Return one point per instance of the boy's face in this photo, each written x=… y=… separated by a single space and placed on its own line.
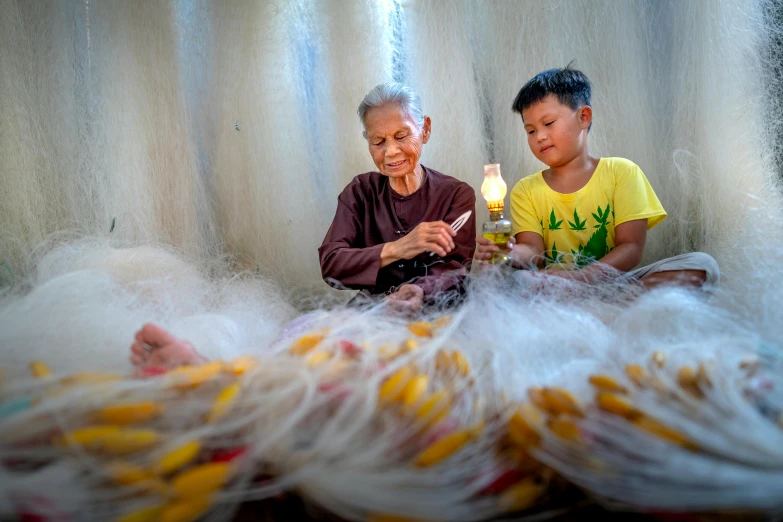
x=556 y=133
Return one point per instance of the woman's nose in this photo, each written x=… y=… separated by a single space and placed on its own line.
x=392 y=149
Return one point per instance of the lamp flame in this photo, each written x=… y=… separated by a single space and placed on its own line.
x=493 y=188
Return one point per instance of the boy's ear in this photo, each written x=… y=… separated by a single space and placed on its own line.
x=585 y=116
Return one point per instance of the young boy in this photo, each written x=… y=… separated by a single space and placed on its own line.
x=584 y=217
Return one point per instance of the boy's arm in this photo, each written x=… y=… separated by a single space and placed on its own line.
x=629 y=239
x=528 y=250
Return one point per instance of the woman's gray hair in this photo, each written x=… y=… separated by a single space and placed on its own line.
x=393 y=92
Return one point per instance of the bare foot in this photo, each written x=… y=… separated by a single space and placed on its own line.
x=155 y=347
x=408 y=299
x=688 y=278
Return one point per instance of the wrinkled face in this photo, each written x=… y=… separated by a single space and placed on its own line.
x=556 y=132
x=395 y=140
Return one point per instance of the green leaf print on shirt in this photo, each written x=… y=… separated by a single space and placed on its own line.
x=596 y=246
x=554 y=224
x=602 y=217
x=577 y=225
x=553 y=257
x=580 y=259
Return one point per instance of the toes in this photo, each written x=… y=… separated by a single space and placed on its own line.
x=161 y=358
x=139 y=350
x=173 y=355
x=136 y=360
x=167 y=359
x=154 y=335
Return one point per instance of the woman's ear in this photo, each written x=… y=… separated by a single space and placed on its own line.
x=426 y=130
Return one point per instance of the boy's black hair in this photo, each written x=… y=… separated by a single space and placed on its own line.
x=571 y=87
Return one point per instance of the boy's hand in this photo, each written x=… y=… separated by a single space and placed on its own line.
x=485 y=248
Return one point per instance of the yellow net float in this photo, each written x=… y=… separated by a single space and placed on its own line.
x=177 y=458
x=129 y=413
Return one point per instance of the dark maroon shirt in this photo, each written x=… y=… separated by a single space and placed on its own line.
x=369 y=214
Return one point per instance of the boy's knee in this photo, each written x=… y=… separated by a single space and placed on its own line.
x=704 y=262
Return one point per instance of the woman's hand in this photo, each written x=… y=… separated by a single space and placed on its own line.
x=407 y=299
x=434 y=236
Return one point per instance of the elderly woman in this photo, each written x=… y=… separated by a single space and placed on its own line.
x=389 y=222
x=386 y=226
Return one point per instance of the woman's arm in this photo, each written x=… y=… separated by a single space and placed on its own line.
x=343 y=265
x=443 y=275
x=435 y=236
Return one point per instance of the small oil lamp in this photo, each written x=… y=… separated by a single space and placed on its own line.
x=497 y=229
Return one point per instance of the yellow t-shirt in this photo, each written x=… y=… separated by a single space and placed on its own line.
x=578 y=228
